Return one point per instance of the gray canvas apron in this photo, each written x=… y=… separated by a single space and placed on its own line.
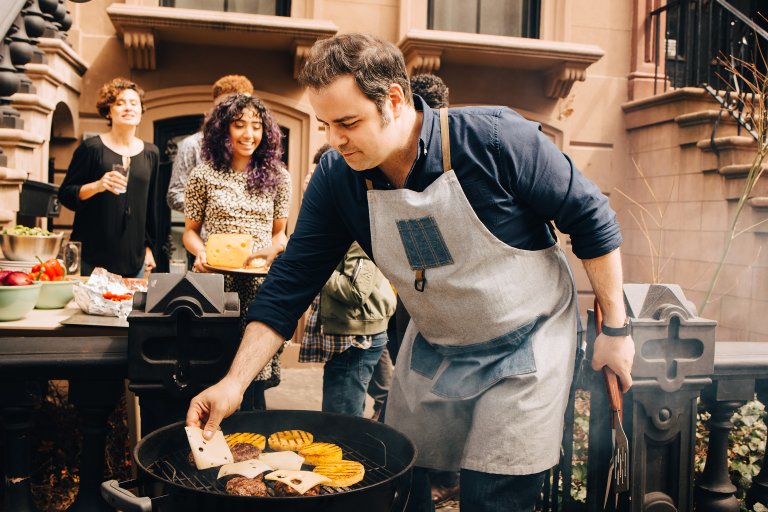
x=482 y=377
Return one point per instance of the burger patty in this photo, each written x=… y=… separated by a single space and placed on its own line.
x=244 y=451
x=282 y=489
x=242 y=486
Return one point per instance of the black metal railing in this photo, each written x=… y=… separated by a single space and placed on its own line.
x=709 y=44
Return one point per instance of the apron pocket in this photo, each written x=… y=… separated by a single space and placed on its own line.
x=423 y=243
x=425 y=359
x=472 y=369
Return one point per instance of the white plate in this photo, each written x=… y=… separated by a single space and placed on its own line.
x=22 y=266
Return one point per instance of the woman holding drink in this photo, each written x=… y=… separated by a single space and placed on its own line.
x=109 y=185
x=241 y=188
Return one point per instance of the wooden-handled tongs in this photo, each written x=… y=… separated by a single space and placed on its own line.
x=618 y=471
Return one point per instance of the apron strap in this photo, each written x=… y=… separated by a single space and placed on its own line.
x=368 y=184
x=445 y=139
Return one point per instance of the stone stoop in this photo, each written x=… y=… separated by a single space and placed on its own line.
x=727 y=151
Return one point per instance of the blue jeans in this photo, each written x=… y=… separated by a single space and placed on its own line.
x=481 y=492
x=346 y=377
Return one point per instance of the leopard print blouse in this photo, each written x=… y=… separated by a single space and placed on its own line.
x=220 y=200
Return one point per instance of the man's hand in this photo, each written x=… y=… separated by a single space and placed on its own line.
x=617 y=353
x=209 y=408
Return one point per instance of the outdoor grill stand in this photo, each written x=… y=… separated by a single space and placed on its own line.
x=183 y=334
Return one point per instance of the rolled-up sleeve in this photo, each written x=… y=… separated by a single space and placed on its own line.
x=548 y=182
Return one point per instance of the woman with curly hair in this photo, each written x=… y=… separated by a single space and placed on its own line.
x=114 y=216
x=242 y=187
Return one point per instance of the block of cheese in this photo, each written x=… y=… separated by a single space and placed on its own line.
x=228 y=250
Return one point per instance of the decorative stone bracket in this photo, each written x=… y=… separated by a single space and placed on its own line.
x=560 y=79
x=140 y=44
x=423 y=62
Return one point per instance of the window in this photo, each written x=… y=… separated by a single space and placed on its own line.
x=270 y=7
x=496 y=17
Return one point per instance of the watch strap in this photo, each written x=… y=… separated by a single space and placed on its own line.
x=624 y=330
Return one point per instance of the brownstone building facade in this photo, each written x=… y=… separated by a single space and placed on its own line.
x=585 y=69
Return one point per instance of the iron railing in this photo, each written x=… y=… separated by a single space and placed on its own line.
x=708 y=44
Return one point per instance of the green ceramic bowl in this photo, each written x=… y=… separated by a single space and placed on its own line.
x=17 y=301
x=55 y=294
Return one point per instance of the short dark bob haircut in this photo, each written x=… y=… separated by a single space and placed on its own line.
x=263 y=171
x=107 y=95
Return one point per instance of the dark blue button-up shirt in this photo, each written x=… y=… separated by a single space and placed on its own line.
x=515 y=178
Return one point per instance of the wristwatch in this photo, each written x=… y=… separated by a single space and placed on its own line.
x=624 y=330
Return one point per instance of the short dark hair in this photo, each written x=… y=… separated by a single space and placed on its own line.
x=263 y=170
x=431 y=88
x=320 y=152
x=374 y=63
x=107 y=95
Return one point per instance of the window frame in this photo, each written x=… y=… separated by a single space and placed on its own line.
x=531 y=13
x=282 y=7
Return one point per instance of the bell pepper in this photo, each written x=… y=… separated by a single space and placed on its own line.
x=54 y=269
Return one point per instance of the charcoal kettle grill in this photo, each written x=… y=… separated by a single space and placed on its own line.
x=162 y=458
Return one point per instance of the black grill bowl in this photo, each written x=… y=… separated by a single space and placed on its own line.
x=161 y=457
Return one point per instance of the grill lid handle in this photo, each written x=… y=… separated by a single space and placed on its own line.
x=122 y=499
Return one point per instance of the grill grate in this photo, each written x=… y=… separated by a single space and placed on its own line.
x=176 y=469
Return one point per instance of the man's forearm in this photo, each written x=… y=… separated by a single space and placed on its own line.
x=260 y=342
x=605 y=275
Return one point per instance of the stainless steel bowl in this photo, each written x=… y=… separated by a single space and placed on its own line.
x=29 y=248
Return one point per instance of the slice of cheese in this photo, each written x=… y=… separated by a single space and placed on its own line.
x=282 y=460
x=228 y=250
x=247 y=468
x=208 y=454
x=301 y=481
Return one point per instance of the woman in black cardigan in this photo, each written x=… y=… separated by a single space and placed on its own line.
x=114 y=216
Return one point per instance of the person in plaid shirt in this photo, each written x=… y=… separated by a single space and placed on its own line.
x=346 y=328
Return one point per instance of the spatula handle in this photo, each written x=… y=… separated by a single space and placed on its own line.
x=611 y=380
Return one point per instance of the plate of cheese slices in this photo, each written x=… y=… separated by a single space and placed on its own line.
x=227 y=254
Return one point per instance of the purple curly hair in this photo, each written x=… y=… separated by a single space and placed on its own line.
x=263 y=169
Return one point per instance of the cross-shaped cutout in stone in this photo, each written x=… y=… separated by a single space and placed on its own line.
x=672 y=349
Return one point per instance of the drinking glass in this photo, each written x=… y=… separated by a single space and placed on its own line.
x=69 y=254
x=124 y=170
